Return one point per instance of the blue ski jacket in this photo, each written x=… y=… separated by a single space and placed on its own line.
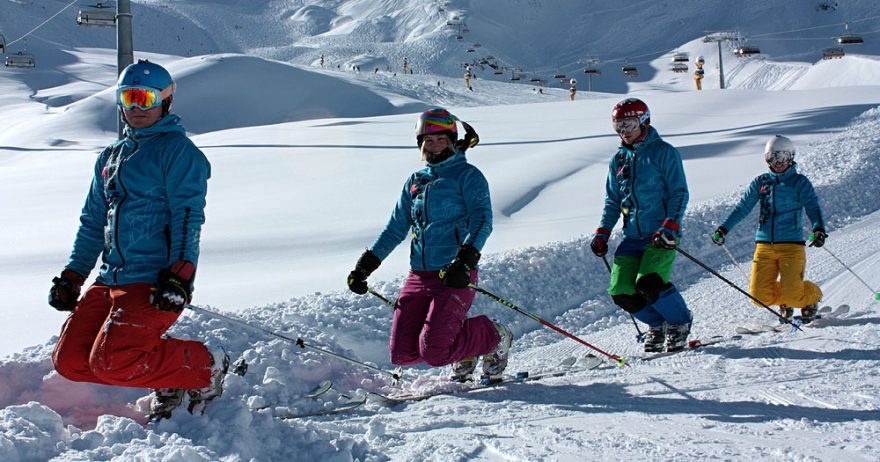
x=783 y=198
x=443 y=205
x=145 y=207
x=645 y=184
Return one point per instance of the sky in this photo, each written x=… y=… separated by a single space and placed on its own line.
x=306 y=167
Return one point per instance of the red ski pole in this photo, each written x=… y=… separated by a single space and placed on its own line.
x=616 y=359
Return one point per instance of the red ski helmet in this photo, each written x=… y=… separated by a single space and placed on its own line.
x=436 y=121
x=632 y=108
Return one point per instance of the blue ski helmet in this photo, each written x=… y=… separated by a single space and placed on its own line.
x=147 y=74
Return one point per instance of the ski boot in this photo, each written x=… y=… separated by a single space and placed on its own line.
x=654 y=339
x=495 y=362
x=808 y=313
x=463 y=370
x=677 y=336
x=199 y=398
x=786 y=313
x=165 y=401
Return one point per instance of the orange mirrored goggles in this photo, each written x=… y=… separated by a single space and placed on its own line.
x=142 y=97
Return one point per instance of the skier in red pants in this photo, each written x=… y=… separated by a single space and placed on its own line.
x=143 y=215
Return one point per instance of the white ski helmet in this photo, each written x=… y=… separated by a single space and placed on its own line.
x=779 y=149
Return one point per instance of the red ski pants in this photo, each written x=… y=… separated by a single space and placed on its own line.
x=114 y=337
x=431 y=325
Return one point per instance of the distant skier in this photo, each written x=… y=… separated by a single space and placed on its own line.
x=446 y=208
x=646 y=184
x=780 y=258
x=572 y=89
x=143 y=215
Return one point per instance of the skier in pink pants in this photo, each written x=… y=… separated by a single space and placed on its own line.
x=446 y=208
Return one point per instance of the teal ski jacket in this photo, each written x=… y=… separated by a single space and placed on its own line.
x=783 y=198
x=443 y=206
x=145 y=207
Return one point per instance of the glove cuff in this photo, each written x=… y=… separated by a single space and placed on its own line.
x=185 y=270
x=469 y=255
x=670 y=225
x=368 y=262
x=602 y=232
x=819 y=229
x=73 y=277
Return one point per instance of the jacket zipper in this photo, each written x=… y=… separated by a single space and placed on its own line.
x=116 y=214
x=633 y=188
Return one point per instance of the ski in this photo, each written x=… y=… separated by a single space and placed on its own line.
x=567 y=366
x=825 y=313
x=350 y=403
x=320 y=389
x=692 y=345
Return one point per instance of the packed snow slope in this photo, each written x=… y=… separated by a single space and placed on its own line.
x=307 y=164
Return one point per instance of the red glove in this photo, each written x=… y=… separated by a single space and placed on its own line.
x=664 y=238
x=599 y=244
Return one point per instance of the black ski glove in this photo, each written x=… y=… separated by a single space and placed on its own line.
x=65 y=290
x=457 y=274
x=818 y=237
x=718 y=235
x=599 y=243
x=357 y=278
x=174 y=287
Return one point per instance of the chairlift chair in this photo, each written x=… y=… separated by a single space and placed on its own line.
x=2 y=44
x=679 y=67
x=746 y=51
x=20 y=60
x=498 y=72
x=535 y=80
x=592 y=71
x=476 y=45
x=99 y=14
x=850 y=39
x=631 y=71
x=833 y=52
x=559 y=76
x=465 y=29
x=680 y=58
x=459 y=37
x=470 y=50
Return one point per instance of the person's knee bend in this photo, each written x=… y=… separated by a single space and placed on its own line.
x=630 y=303
x=650 y=286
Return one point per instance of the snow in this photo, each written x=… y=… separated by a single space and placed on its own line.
x=307 y=164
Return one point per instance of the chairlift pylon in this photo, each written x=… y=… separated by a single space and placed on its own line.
x=99 y=15
x=20 y=60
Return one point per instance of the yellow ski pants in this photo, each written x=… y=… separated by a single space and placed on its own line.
x=778 y=276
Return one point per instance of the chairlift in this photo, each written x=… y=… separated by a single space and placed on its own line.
x=490 y=57
x=99 y=14
x=470 y=50
x=2 y=44
x=850 y=39
x=476 y=45
x=680 y=58
x=465 y=29
x=679 y=67
x=20 y=60
x=535 y=80
x=498 y=72
x=630 y=71
x=833 y=52
x=559 y=76
x=746 y=51
x=590 y=70
x=459 y=37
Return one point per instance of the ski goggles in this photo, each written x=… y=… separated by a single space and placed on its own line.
x=627 y=125
x=778 y=157
x=142 y=97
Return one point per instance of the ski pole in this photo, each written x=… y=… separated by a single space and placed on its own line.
x=876 y=294
x=736 y=263
x=715 y=273
x=640 y=336
x=617 y=359
x=380 y=297
x=298 y=342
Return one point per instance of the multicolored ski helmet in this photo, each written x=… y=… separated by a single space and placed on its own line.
x=631 y=108
x=436 y=121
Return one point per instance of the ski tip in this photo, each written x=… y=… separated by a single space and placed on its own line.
x=522 y=375
x=621 y=361
x=877 y=296
x=695 y=343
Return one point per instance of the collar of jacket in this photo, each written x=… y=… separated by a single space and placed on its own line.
x=169 y=123
x=456 y=159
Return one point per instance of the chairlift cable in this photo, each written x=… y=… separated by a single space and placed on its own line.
x=43 y=23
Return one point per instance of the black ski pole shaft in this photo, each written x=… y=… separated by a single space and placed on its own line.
x=617 y=359
x=639 y=335
x=380 y=297
x=715 y=273
x=874 y=292
x=297 y=341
